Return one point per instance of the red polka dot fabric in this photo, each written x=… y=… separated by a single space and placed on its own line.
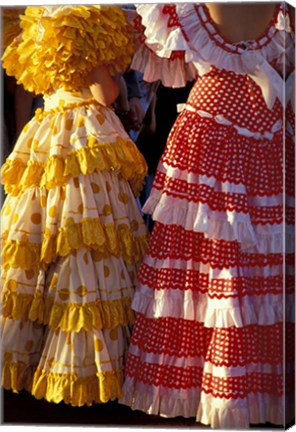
x=214 y=335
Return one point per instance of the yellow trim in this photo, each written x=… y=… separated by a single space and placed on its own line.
x=18 y=305
x=17 y=254
x=121 y=156
x=68 y=317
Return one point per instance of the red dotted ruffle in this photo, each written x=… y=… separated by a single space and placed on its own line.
x=201 y=147
x=161 y=375
x=220 y=346
x=172 y=241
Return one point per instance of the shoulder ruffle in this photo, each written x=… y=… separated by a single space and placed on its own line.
x=163 y=51
x=59 y=46
x=179 y=41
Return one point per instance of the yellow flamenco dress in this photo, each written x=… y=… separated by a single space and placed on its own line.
x=72 y=234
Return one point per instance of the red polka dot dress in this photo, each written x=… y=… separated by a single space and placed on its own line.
x=214 y=337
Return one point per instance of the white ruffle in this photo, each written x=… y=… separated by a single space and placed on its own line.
x=172 y=73
x=261 y=409
x=213 y=312
x=218 y=413
x=203 y=51
x=159 y=401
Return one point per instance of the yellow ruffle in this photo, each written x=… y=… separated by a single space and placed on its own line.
x=104 y=240
x=17 y=305
x=102 y=387
x=121 y=155
x=99 y=315
x=67 y=317
x=89 y=232
x=16 y=376
x=75 y=391
x=59 y=46
x=20 y=254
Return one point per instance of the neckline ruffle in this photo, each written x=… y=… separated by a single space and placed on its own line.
x=175 y=45
x=262 y=40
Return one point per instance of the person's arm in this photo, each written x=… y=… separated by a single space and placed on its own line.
x=103 y=87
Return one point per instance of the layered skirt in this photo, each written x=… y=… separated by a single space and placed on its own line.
x=72 y=241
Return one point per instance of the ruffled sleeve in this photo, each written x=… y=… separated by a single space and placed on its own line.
x=163 y=52
x=60 y=45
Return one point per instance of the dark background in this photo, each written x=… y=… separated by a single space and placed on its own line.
x=24 y=409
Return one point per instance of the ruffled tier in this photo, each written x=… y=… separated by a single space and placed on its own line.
x=71 y=41
x=18 y=176
x=187 y=345
x=229 y=226
x=103 y=240
x=222 y=313
x=92 y=148
x=171 y=72
x=56 y=388
x=263 y=409
x=68 y=317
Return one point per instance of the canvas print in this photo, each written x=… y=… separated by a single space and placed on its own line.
x=147 y=214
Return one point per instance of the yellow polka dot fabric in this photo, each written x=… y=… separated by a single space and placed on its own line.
x=72 y=241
